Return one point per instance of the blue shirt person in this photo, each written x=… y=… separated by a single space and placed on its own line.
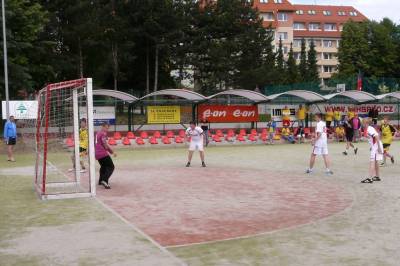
x=10 y=137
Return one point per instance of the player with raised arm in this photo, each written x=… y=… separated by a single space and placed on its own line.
x=376 y=152
x=320 y=145
x=195 y=134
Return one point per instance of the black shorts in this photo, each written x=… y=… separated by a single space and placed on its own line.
x=349 y=137
x=82 y=150
x=328 y=124
x=12 y=141
x=385 y=145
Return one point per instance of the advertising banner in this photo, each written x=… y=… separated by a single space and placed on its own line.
x=232 y=113
x=101 y=114
x=163 y=114
x=21 y=109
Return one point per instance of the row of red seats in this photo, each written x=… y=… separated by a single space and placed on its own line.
x=152 y=140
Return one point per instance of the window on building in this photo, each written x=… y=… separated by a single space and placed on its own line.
x=285 y=49
x=299 y=12
x=283 y=36
x=264 y=1
x=328 y=43
x=296 y=43
x=314 y=26
x=341 y=27
x=297 y=56
x=342 y=13
x=327 y=12
x=278 y=1
x=268 y=16
x=329 y=69
x=299 y=26
x=327 y=56
x=283 y=16
x=311 y=12
x=353 y=13
x=330 y=27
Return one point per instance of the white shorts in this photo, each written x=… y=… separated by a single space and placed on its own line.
x=196 y=145
x=320 y=150
x=375 y=155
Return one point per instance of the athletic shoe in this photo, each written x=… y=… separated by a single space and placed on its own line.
x=367 y=180
x=71 y=169
x=392 y=159
x=105 y=184
x=188 y=164
x=83 y=171
x=308 y=171
x=382 y=165
x=376 y=178
x=345 y=153
x=330 y=172
x=355 y=151
x=203 y=164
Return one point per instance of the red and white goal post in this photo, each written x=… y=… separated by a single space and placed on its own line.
x=61 y=106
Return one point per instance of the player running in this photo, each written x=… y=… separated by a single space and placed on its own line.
x=195 y=134
x=376 y=152
x=349 y=132
x=83 y=146
x=388 y=131
x=320 y=146
x=102 y=154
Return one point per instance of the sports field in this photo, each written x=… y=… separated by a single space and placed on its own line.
x=252 y=205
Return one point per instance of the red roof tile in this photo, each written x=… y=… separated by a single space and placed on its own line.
x=333 y=18
x=272 y=6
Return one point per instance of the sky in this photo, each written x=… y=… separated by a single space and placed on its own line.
x=373 y=9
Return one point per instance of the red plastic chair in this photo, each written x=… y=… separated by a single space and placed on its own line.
x=117 y=135
x=231 y=133
x=264 y=137
x=240 y=138
x=139 y=141
x=182 y=133
x=112 y=141
x=307 y=131
x=216 y=138
x=219 y=133
x=153 y=140
x=254 y=132
x=242 y=132
x=166 y=140
x=264 y=131
x=144 y=135
x=126 y=141
x=178 y=139
x=170 y=134
x=252 y=137
x=157 y=134
x=70 y=142
x=130 y=135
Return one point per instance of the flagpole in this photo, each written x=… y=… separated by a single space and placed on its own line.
x=5 y=59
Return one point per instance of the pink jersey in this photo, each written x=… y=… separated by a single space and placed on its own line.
x=100 y=148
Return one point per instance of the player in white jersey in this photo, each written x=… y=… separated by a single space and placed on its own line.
x=320 y=145
x=376 y=152
x=195 y=134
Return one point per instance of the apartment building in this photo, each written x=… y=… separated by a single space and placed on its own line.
x=320 y=23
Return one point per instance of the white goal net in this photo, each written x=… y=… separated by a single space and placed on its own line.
x=64 y=141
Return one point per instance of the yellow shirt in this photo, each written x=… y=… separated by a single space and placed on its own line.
x=339 y=131
x=301 y=113
x=285 y=131
x=286 y=114
x=83 y=138
x=387 y=136
x=336 y=114
x=350 y=114
x=329 y=116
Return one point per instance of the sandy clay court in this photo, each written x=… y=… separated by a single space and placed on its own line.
x=252 y=205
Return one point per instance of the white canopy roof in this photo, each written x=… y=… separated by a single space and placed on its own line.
x=395 y=94
x=250 y=95
x=185 y=94
x=308 y=96
x=358 y=96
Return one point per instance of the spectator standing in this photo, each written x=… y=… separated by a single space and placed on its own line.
x=10 y=137
x=301 y=116
x=205 y=128
x=329 y=117
x=356 y=124
x=336 y=116
x=271 y=131
x=286 y=116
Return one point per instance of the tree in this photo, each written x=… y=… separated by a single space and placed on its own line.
x=292 y=70
x=303 y=72
x=280 y=64
x=25 y=23
x=312 y=67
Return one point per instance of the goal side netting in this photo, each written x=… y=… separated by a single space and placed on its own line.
x=64 y=140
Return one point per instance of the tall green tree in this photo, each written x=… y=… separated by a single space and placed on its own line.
x=303 y=72
x=292 y=73
x=280 y=64
x=312 y=67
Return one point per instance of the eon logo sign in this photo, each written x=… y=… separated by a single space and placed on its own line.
x=232 y=113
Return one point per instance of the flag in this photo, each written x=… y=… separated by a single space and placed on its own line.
x=359 y=81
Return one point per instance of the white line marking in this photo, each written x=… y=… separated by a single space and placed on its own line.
x=163 y=249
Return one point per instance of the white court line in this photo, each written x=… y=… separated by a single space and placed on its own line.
x=149 y=238
x=347 y=209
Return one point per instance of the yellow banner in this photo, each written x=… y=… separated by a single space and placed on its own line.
x=163 y=114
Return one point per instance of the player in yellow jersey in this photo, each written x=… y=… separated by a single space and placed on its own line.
x=83 y=145
x=329 y=117
x=387 y=131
